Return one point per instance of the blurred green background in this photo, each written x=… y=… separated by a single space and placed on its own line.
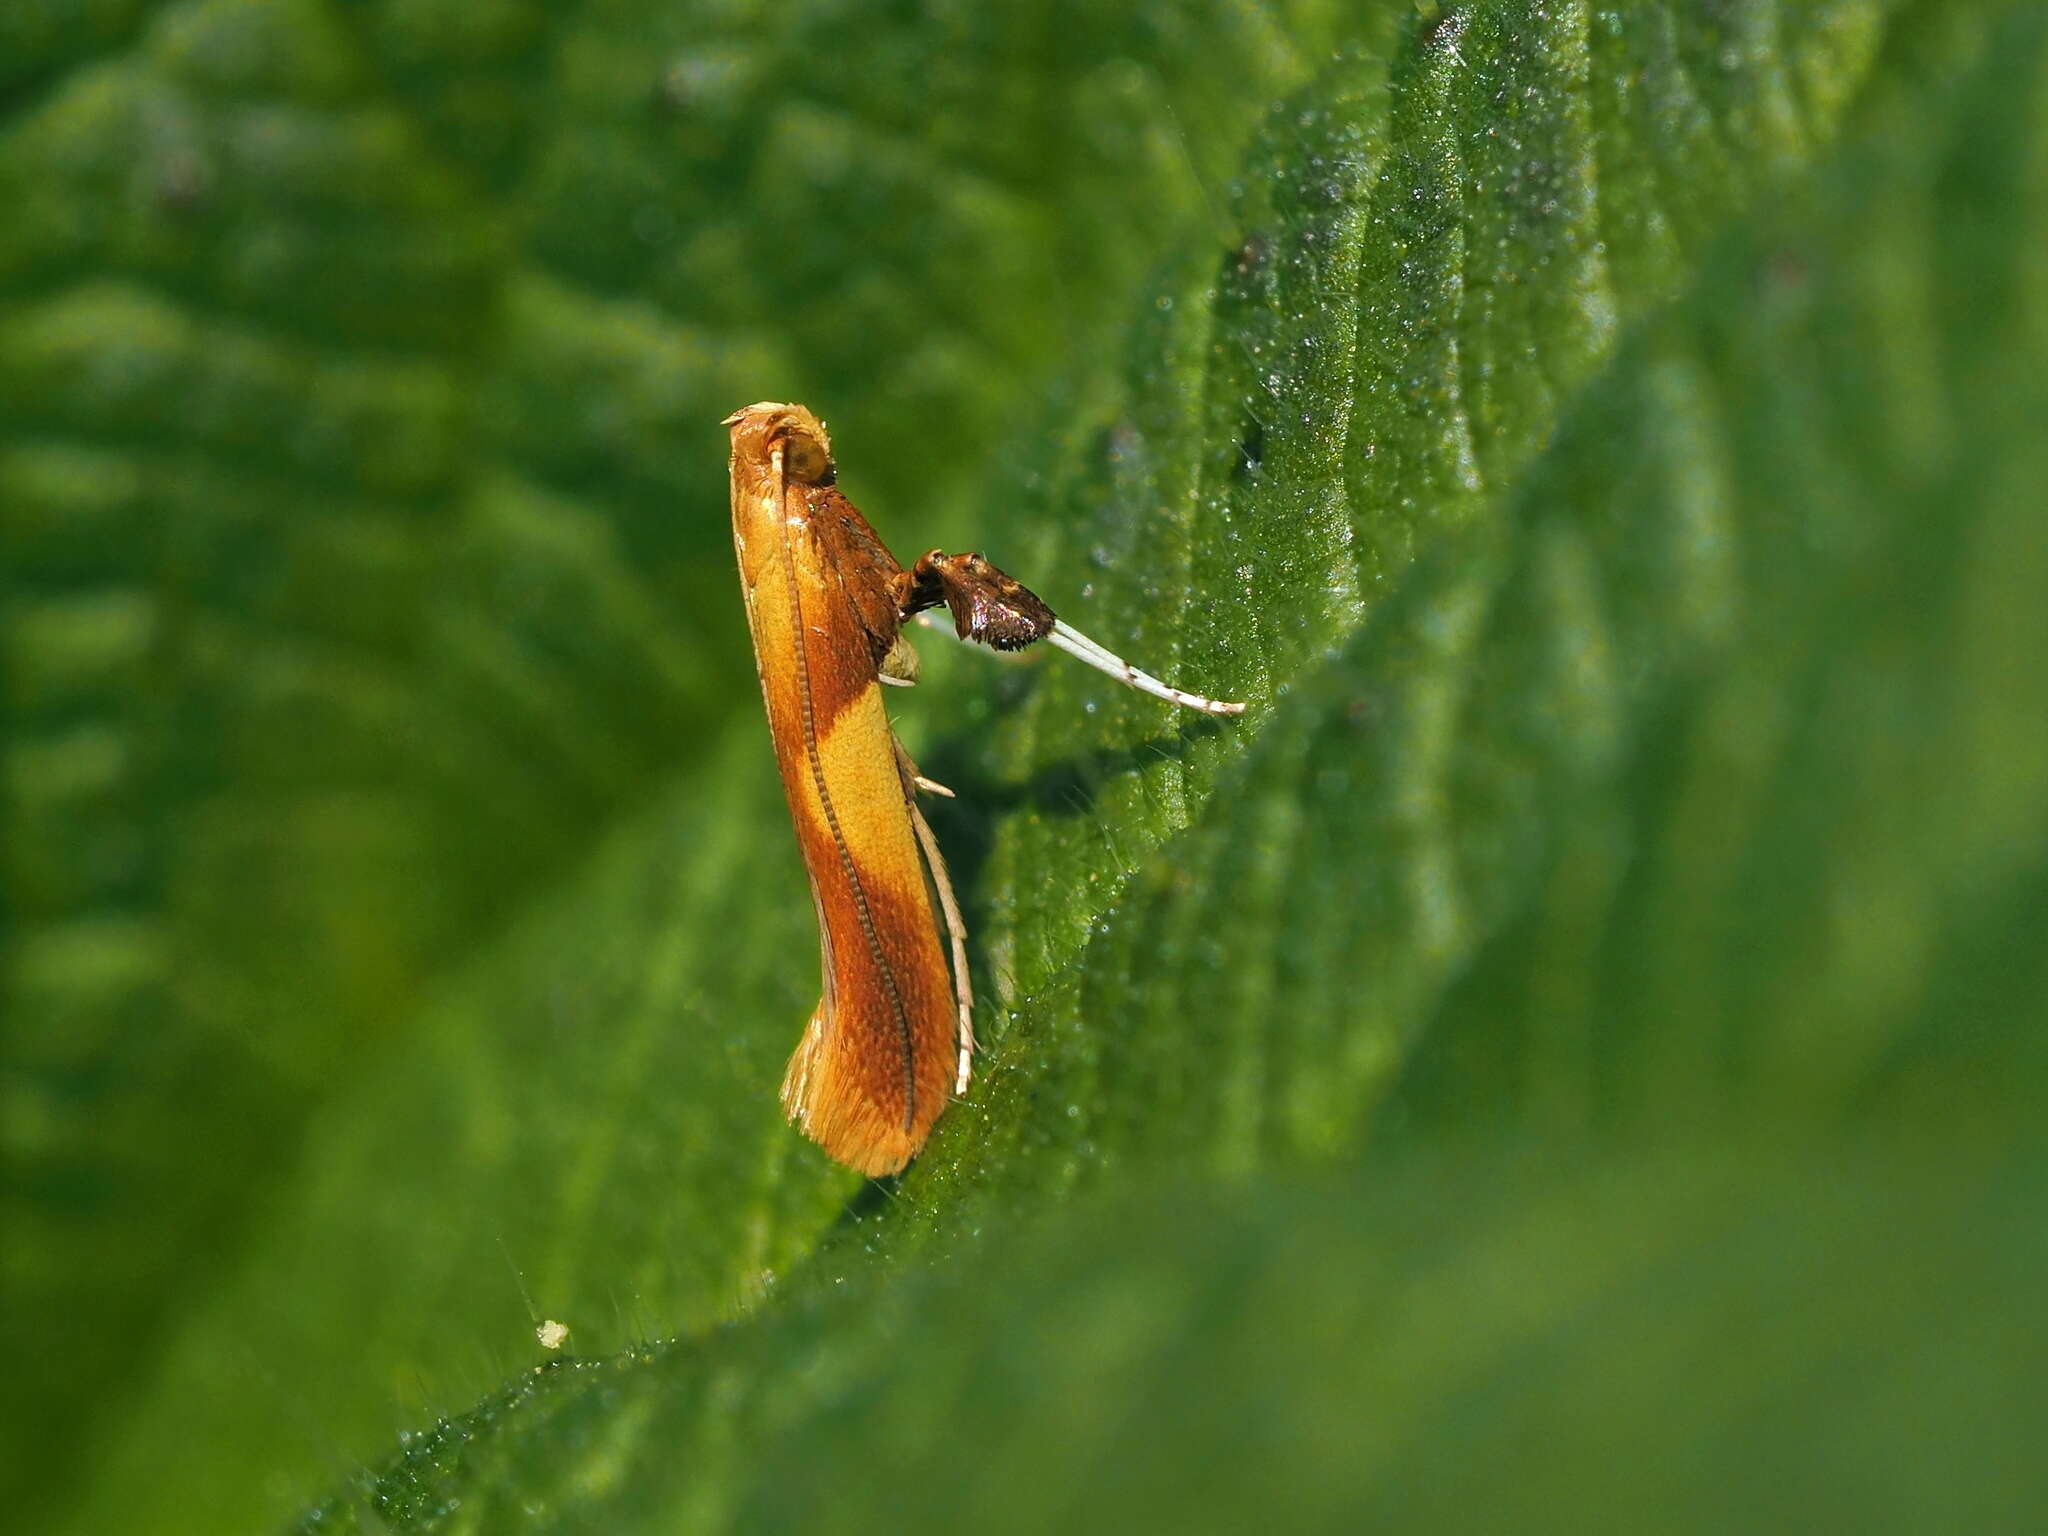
x=1571 y=1056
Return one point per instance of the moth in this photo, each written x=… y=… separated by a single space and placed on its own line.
x=892 y=1038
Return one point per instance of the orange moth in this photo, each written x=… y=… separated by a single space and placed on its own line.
x=892 y=1037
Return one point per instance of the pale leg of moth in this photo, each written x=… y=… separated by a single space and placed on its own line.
x=956 y=926
x=999 y=611
x=1076 y=644
x=899 y=670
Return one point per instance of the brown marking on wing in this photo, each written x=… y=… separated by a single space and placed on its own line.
x=866 y=570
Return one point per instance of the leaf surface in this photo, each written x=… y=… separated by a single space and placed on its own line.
x=1601 y=451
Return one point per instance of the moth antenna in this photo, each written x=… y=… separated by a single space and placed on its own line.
x=1079 y=646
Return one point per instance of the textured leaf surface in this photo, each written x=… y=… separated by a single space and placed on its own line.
x=366 y=572
x=1685 y=1343
x=1649 y=883
x=1603 y=454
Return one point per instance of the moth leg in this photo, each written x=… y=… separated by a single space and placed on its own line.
x=956 y=926
x=999 y=611
x=899 y=668
x=988 y=606
x=914 y=781
x=1100 y=657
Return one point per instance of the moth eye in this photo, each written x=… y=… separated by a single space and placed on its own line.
x=804 y=458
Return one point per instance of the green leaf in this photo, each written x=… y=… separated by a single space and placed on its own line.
x=1672 y=832
x=1604 y=452
x=1678 y=1342
x=364 y=568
